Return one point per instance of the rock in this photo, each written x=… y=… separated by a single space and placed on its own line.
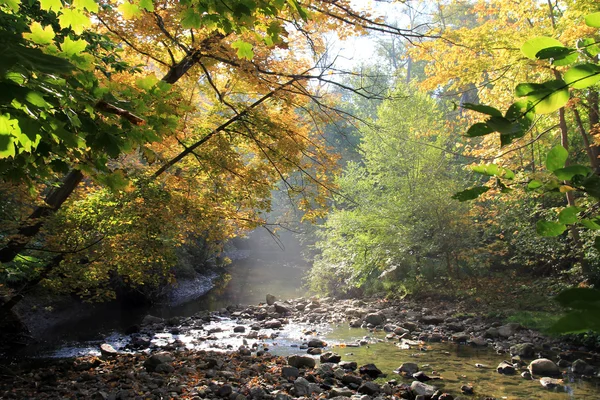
x=340 y=392
x=580 y=367
x=369 y=388
x=410 y=326
x=239 y=329
x=526 y=375
x=302 y=387
x=508 y=330
x=348 y=365
x=107 y=350
x=431 y=319
x=399 y=330
x=550 y=383
x=164 y=368
x=350 y=379
x=270 y=299
x=375 y=319
x=543 y=367
x=273 y=324
x=151 y=320
x=301 y=361
x=478 y=341
x=506 y=368
x=224 y=391
x=491 y=333
x=461 y=337
x=330 y=357
x=314 y=351
x=281 y=309
x=421 y=376
x=466 y=389
x=408 y=368
x=525 y=350
x=422 y=389
x=157 y=359
x=370 y=369
x=448 y=396
x=290 y=372
x=316 y=343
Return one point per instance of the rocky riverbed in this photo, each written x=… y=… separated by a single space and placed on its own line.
x=236 y=354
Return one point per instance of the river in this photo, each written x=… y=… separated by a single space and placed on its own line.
x=266 y=268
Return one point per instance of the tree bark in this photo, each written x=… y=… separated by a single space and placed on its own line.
x=32 y=225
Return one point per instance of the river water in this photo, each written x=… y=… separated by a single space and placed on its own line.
x=268 y=269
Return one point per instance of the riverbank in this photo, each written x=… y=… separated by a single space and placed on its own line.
x=228 y=354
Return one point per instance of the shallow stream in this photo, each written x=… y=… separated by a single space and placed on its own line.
x=270 y=272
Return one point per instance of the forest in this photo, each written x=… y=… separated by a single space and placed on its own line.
x=457 y=156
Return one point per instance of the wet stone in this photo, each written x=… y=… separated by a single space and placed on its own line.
x=370 y=370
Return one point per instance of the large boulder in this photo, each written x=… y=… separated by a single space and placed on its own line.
x=506 y=368
x=330 y=357
x=375 y=319
x=422 y=389
x=155 y=360
x=580 y=367
x=525 y=350
x=273 y=324
x=281 y=309
x=370 y=370
x=508 y=330
x=544 y=367
x=316 y=343
x=270 y=299
x=299 y=361
x=408 y=368
x=369 y=388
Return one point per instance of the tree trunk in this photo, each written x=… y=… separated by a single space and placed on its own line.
x=32 y=225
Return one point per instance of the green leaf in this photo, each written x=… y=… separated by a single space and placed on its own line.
x=593 y=20
x=75 y=19
x=549 y=228
x=244 y=49
x=582 y=76
x=525 y=89
x=116 y=181
x=9 y=128
x=128 y=10
x=546 y=102
x=51 y=5
x=147 y=82
x=39 y=34
x=482 y=109
x=73 y=47
x=89 y=5
x=591 y=185
x=470 y=194
x=534 y=184
x=569 y=215
x=577 y=322
x=590 y=224
x=146 y=5
x=502 y=125
x=557 y=54
x=589 y=46
x=567 y=173
x=36 y=98
x=556 y=158
x=579 y=298
x=479 y=129
x=533 y=46
x=12 y=4
x=191 y=19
